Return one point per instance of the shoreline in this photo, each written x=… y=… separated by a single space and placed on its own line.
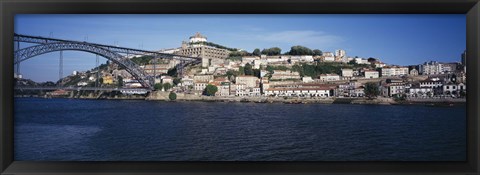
x=163 y=96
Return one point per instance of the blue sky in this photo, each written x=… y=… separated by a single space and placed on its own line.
x=395 y=39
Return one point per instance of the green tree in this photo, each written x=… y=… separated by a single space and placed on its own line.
x=100 y=80
x=317 y=52
x=158 y=86
x=272 y=51
x=248 y=69
x=297 y=68
x=167 y=86
x=241 y=69
x=172 y=96
x=256 y=52
x=256 y=72
x=177 y=81
x=232 y=74
x=210 y=90
x=300 y=50
x=371 y=90
x=353 y=62
x=120 y=81
x=172 y=72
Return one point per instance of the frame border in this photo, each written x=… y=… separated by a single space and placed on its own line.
x=8 y=9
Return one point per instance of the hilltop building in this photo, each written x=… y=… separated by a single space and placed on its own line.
x=197 y=47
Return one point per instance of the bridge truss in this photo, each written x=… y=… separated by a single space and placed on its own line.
x=118 y=55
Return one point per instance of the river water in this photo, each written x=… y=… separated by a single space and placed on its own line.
x=130 y=130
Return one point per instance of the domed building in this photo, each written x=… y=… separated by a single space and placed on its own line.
x=210 y=55
x=198 y=38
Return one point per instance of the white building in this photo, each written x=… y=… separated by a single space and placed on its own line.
x=303 y=92
x=284 y=75
x=379 y=64
x=200 y=86
x=340 y=53
x=454 y=89
x=82 y=83
x=248 y=80
x=420 y=92
x=431 y=83
x=329 y=77
x=361 y=61
x=328 y=57
x=371 y=74
x=414 y=72
x=431 y=68
x=347 y=72
x=394 y=71
x=307 y=79
x=198 y=38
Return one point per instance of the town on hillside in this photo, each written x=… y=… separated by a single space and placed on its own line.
x=300 y=73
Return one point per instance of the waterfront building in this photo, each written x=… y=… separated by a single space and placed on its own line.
x=59 y=92
x=223 y=87
x=248 y=80
x=329 y=77
x=454 y=89
x=431 y=83
x=134 y=91
x=186 y=81
x=358 y=92
x=342 y=90
x=196 y=47
x=391 y=89
x=371 y=74
x=200 y=86
x=417 y=91
x=300 y=91
x=285 y=75
x=239 y=89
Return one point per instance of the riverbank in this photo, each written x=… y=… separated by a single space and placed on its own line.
x=163 y=96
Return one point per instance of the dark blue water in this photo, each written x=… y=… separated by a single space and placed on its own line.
x=90 y=130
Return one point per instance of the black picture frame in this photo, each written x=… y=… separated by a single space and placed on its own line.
x=8 y=8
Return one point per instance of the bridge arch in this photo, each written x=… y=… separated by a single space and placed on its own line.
x=32 y=51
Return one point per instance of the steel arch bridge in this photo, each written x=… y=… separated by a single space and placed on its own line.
x=112 y=53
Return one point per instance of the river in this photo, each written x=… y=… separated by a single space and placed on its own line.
x=138 y=130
